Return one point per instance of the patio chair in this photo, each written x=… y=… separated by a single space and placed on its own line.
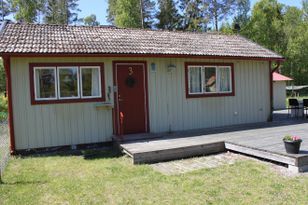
x=293 y=105
x=305 y=105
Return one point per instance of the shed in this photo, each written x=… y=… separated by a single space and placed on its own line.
x=79 y=85
x=279 y=90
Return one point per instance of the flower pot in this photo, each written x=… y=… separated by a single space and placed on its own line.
x=292 y=147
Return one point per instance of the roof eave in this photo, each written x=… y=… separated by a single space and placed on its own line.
x=13 y=54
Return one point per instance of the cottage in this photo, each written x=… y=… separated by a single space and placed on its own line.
x=73 y=85
x=279 y=90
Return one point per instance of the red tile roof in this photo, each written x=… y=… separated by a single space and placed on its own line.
x=279 y=77
x=60 y=39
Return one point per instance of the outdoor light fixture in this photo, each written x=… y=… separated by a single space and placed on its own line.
x=170 y=68
x=153 y=67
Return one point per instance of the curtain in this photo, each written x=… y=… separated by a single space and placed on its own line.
x=195 y=80
x=95 y=82
x=224 y=79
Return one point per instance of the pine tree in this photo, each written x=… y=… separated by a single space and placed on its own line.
x=147 y=13
x=25 y=10
x=5 y=9
x=131 y=13
x=62 y=11
x=218 y=10
x=193 y=18
x=242 y=9
x=167 y=15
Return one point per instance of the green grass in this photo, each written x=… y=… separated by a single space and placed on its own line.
x=108 y=179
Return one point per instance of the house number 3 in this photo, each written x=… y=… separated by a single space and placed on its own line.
x=130 y=71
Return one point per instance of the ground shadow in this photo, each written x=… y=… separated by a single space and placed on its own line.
x=88 y=154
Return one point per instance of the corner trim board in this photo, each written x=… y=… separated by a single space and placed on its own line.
x=7 y=67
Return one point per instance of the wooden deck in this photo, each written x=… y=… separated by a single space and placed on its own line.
x=262 y=140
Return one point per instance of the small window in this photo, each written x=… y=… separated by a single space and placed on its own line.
x=209 y=80
x=68 y=82
x=45 y=83
x=90 y=82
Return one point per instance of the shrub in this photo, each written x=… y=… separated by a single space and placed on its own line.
x=3 y=103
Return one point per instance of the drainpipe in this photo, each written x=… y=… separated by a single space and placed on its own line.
x=271 y=71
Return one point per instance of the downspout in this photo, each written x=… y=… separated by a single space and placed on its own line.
x=271 y=71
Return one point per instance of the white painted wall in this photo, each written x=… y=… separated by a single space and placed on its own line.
x=169 y=110
x=279 y=95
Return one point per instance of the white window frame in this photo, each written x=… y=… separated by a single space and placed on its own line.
x=54 y=68
x=99 y=82
x=78 y=82
x=203 y=92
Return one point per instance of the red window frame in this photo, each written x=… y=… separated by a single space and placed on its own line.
x=58 y=101
x=188 y=95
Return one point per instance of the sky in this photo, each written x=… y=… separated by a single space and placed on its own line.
x=99 y=8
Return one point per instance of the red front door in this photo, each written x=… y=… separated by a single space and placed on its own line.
x=131 y=98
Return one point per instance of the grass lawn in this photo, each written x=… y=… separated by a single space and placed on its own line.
x=109 y=179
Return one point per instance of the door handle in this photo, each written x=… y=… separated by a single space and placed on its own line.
x=120 y=100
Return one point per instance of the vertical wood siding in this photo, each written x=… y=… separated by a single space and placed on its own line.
x=279 y=94
x=169 y=110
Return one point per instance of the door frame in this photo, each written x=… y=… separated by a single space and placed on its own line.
x=116 y=120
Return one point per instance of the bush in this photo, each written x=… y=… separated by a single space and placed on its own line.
x=3 y=103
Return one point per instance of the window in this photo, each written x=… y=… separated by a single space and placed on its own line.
x=208 y=79
x=90 y=82
x=66 y=83
x=45 y=83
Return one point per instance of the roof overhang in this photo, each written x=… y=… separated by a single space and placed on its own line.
x=128 y=55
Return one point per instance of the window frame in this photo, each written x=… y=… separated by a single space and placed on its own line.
x=99 y=82
x=35 y=85
x=58 y=100
x=208 y=94
x=58 y=82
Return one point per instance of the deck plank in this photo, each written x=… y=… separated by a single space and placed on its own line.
x=260 y=139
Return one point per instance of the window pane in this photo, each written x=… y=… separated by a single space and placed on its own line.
x=90 y=82
x=224 y=79
x=195 y=80
x=45 y=83
x=210 y=79
x=68 y=82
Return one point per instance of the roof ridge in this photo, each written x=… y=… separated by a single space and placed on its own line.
x=119 y=28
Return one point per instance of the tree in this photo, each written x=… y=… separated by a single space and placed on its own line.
x=25 y=10
x=111 y=11
x=131 y=13
x=218 y=10
x=193 y=18
x=2 y=78
x=266 y=25
x=5 y=9
x=241 y=16
x=62 y=11
x=90 y=20
x=147 y=13
x=167 y=16
x=127 y=14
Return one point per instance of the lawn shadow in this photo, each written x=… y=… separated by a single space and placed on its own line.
x=23 y=183
x=88 y=154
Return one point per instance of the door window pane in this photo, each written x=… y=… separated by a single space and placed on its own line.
x=45 y=83
x=195 y=80
x=68 y=82
x=90 y=81
x=210 y=79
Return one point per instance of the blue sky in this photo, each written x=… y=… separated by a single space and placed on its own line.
x=99 y=7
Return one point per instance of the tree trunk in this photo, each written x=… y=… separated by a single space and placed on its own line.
x=141 y=13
